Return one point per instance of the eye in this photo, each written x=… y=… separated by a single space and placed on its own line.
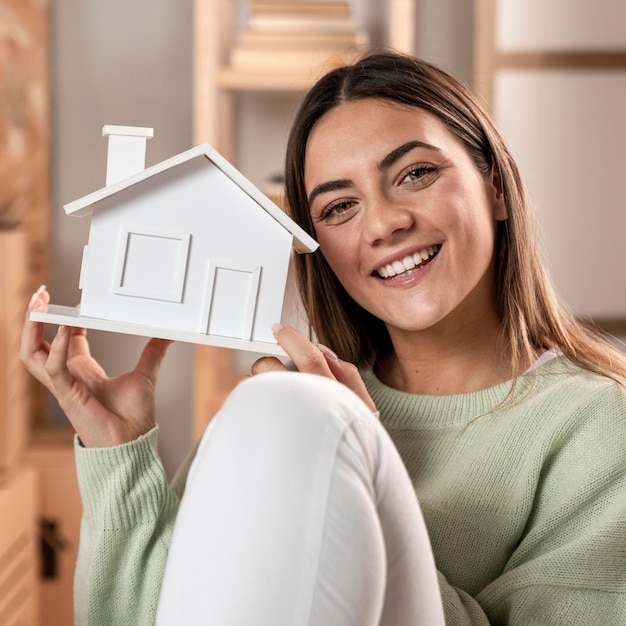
x=418 y=175
x=337 y=211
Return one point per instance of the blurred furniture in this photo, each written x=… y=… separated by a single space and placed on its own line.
x=39 y=502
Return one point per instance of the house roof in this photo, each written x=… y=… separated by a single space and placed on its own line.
x=303 y=242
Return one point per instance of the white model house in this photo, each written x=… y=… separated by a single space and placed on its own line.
x=187 y=249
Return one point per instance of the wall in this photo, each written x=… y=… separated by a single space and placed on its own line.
x=562 y=114
x=127 y=63
x=130 y=63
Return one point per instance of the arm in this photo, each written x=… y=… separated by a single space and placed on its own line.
x=128 y=517
x=570 y=564
x=566 y=563
x=128 y=509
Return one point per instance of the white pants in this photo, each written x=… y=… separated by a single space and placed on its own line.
x=298 y=511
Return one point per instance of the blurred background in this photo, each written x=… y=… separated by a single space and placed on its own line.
x=232 y=73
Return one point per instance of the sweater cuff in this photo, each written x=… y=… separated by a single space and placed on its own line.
x=122 y=486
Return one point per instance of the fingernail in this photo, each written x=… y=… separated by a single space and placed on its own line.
x=61 y=330
x=36 y=295
x=327 y=352
x=277 y=328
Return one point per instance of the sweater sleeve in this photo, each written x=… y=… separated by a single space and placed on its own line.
x=128 y=517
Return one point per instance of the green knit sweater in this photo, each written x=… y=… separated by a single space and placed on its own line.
x=524 y=497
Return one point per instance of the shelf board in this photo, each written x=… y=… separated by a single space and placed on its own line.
x=561 y=59
x=236 y=80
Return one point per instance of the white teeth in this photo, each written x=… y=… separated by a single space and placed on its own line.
x=397 y=267
x=407 y=263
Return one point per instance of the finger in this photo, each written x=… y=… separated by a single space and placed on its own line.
x=151 y=358
x=305 y=355
x=33 y=347
x=347 y=374
x=79 y=345
x=41 y=296
x=267 y=364
x=56 y=364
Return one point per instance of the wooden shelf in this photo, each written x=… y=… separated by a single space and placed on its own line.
x=236 y=80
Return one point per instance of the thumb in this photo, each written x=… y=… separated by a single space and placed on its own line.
x=349 y=375
x=151 y=358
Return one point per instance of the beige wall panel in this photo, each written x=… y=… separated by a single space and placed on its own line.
x=568 y=132
x=561 y=24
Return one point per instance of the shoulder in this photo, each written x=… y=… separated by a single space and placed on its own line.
x=563 y=384
x=582 y=414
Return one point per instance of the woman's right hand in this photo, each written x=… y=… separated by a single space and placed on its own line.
x=103 y=411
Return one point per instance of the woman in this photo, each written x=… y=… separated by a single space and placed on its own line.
x=509 y=417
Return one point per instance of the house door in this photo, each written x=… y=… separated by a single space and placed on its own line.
x=230 y=305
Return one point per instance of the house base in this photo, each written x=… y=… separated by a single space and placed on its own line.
x=70 y=316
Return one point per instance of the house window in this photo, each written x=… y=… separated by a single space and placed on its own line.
x=151 y=263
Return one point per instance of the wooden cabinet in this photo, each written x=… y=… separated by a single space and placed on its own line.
x=50 y=455
x=19 y=589
x=15 y=414
x=218 y=84
x=39 y=500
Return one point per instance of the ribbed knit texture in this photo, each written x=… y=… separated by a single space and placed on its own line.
x=524 y=498
x=128 y=517
x=524 y=495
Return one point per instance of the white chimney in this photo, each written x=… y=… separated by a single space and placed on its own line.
x=127 y=151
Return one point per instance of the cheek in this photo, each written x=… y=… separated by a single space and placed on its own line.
x=334 y=256
x=339 y=254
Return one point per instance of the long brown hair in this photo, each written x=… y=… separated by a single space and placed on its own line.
x=532 y=319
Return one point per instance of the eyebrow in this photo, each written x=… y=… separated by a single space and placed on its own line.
x=399 y=152
x=386 y=163
x=329 y=186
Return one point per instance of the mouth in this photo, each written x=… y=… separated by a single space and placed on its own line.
x=408 y=264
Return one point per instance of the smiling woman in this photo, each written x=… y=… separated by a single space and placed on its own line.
x=453 y=451
x=391 y=183
x=530 y=318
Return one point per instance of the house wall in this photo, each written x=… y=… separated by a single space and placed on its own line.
x=182 y=220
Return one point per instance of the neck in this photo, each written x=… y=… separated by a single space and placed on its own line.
x=439 y=362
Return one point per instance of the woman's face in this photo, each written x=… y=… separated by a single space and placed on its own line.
x=402 y=215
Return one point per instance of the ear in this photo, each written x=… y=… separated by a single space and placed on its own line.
x=496 y=193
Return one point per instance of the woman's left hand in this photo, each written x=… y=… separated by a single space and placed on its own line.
x=314 y=359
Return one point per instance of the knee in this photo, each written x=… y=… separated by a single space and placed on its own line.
x=296 y=396
x=287 y=410
x=287 y=423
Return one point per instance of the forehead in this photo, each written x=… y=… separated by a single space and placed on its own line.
x=371 y=128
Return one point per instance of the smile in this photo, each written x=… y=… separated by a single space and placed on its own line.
x=408 y=263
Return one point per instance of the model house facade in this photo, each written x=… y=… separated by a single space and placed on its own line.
x=187 y=247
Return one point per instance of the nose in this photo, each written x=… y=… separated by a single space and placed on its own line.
x=384 y=220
